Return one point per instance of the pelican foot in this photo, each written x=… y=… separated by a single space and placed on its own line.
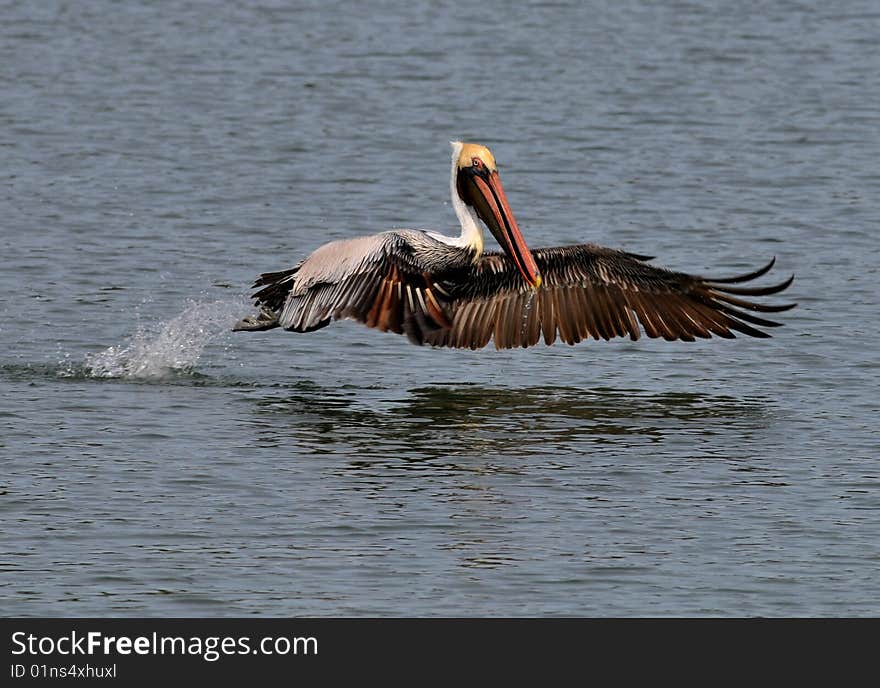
x=266 y=320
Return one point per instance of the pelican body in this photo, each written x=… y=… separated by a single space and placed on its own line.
x=448 y=291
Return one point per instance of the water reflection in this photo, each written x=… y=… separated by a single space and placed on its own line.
x=448 y=422
x=487 y=461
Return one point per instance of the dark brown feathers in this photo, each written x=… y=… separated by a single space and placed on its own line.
x=588 y=292
x=593 y=292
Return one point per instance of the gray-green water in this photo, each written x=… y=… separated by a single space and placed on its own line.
x=155 y=159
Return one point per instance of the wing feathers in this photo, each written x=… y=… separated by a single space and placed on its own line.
x=588 y=291
x=548 y=317
x=752 y=291
x=371 y=279
x=760 y=272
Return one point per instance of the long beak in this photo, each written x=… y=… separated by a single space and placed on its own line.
x=496 y=213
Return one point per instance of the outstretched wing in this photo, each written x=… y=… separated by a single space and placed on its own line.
x=379 y=280
x=591 y=291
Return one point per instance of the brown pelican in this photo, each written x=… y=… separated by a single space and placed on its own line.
x=446 y=291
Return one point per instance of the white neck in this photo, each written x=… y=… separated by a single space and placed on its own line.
x=471 y=232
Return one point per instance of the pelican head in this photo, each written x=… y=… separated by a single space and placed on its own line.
x=478 y=185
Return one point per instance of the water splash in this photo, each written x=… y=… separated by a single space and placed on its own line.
x=172 y=347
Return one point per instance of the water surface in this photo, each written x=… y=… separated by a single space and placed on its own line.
x=154 y=161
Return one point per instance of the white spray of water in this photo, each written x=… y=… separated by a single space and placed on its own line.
x=171 y=347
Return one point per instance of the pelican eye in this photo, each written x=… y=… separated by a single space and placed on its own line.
x=477 y=163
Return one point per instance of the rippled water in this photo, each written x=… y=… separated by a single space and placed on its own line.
x=156 y=160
